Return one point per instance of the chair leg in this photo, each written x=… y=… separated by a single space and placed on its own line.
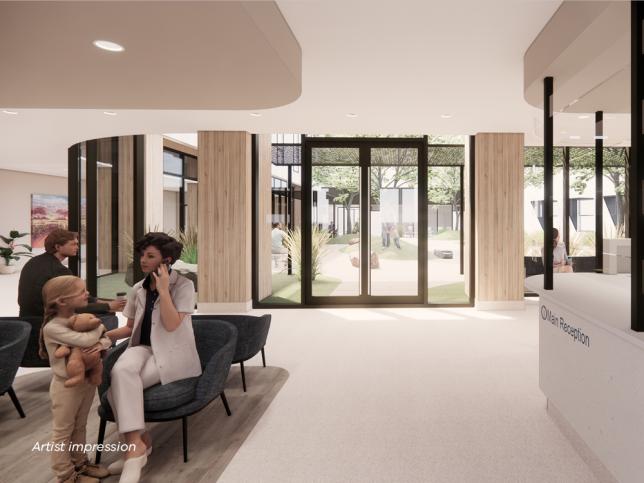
x=225 y=401
x=185 y=439
x=243 y=375
x=101 y=437
x=15 y=401
x=263 y=358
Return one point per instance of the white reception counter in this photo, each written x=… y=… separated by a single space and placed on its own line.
x=591 y=369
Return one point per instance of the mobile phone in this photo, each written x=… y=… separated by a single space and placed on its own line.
x=166 y=262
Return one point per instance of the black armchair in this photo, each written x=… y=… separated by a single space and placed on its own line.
x=252 y=332
x=216 y=341
x=14 y=336
x=31 y=357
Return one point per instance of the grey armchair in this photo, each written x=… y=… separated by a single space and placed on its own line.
x=31 y=357
x=252 y=332
x=14 y=336
x=216 y=341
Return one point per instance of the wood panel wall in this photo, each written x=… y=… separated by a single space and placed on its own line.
x=265 y=285
x=104 y=204
x=192 y=170
x=126 y=200
x=224 y=218
x=499 y=217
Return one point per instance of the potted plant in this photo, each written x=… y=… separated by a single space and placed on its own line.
x=8 y=253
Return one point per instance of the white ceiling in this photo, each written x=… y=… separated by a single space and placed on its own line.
x=398 y=65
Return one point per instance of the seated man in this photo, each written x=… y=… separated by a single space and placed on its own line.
x=277 y=239
x=59 y=245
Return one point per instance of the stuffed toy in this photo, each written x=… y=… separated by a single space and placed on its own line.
x=79 y=363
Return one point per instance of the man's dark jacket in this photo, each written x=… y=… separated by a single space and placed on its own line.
x=33 y=277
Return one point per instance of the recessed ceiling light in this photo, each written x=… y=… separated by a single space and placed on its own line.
x=575 y=137
x=11 y=113
x=564 y=132
x=109 y=113
x=109 y=46
x=352 y=114
x=255 y=114
x=583 y=116
x=446 y=116
x=601 y=137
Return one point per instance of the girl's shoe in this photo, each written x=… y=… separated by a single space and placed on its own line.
x=95 y=471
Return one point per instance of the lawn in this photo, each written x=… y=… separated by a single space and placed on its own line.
x=287 y=288
x=453 y=293
x=446 y=235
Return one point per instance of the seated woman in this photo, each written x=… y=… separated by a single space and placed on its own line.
x=560 y=261
x=161 y=349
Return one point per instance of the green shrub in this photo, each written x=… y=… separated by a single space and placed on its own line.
x=293 y=242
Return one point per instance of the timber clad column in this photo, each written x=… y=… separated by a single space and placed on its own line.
x=224 y=228
x=126 y=201
x=499 y=273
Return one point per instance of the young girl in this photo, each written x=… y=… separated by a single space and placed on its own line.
x=69 y=405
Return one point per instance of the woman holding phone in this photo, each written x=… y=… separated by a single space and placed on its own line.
x=161 y=348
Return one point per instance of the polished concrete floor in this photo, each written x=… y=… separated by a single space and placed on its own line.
x=422 y=395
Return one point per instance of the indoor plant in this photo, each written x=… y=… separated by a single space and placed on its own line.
x=8 y=252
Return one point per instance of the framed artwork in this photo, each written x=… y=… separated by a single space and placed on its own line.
x=48 y=212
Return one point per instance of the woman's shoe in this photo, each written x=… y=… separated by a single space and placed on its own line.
x=132 y=469
x=116 y=467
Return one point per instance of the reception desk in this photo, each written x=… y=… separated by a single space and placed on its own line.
x=591 y=369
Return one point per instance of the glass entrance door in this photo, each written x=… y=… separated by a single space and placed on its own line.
x=361 y=244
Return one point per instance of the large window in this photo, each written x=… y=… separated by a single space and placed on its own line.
x=102 y=209
x=581 y=241
x=615 y=192
x=445 y=240
x=365 y=241
x=180 y=190
x=107 y=179
x=280 y=278
x=180 y=187
x=574 y=167
x=393 y=240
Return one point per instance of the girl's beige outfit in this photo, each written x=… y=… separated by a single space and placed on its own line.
x=69 y=405
x=169 y=357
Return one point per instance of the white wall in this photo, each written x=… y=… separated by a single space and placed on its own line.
x=170 y=211
x=153 y=182
x=16 y=188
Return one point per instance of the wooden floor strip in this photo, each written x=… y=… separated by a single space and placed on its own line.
x=213 y=437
